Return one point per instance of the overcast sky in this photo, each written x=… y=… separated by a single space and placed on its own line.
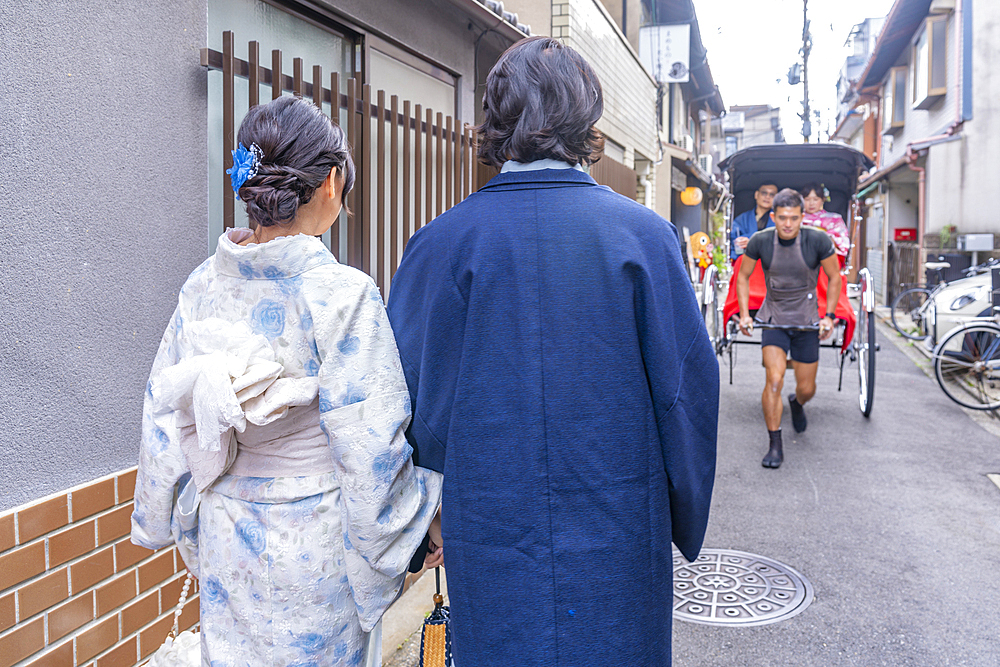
x=752 y=43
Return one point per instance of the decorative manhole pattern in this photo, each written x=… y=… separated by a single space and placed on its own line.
x=724 y=587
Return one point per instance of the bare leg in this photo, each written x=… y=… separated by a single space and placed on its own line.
x=805 y=388
x=805 y=381
x=774 y=367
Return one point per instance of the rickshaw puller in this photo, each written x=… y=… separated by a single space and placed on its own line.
x=791 y=256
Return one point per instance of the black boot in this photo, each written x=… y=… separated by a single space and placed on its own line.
x=799 y=422
x=774 y=454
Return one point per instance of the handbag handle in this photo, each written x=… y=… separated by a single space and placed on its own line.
x=438 y=598
x=180 y=604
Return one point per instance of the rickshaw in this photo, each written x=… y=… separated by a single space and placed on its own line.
x=838 y=168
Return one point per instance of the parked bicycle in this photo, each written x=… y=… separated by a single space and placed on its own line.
x=967 y=363
x=917 y=313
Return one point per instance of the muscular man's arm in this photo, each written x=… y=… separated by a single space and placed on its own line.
x=743 y=293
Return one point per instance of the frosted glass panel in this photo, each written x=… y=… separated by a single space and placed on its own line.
x=939 y=56
x=397 y=78
x=921 y=54
x=273 y=29
x=898 y=109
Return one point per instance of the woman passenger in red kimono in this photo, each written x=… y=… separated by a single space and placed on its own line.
x=816 y=216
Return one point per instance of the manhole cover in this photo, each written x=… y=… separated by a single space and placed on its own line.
x=724 y=587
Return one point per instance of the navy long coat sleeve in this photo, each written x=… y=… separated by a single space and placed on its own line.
x=563 y=381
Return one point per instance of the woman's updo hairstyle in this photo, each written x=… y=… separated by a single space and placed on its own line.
x=542 y=100
x=300 y=145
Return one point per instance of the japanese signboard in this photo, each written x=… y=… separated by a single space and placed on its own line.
x=665 y=51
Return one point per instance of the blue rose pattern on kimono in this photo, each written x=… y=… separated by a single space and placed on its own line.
x=296 y=569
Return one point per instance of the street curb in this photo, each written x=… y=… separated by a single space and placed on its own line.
x=921 y=358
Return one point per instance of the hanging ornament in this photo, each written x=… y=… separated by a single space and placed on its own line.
x=691 y=196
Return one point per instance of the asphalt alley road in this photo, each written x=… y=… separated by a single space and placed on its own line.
x=892 y=519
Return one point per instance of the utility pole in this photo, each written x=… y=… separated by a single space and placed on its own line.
x=806 y=47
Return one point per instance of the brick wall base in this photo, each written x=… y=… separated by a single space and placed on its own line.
x=75 y=591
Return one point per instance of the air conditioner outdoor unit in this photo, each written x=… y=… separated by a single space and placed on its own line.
x=687 y=143
x=705 y=162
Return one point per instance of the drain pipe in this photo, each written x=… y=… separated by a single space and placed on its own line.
x=959 y=64
x=921 y=210
x=647 y=191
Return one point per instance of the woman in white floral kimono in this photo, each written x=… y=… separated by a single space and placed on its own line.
x=278 y=392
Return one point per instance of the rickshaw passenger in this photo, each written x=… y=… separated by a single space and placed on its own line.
x=748 y=223
x=791 y=256
x=814 y=196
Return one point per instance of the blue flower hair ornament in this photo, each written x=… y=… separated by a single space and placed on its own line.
x=245 y=164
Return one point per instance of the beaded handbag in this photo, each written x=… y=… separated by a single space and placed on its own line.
x=435 y=638
x=180 y=649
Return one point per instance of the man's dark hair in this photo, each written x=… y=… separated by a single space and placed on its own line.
x=300 y=146
x=542 y=100
x=789 y=198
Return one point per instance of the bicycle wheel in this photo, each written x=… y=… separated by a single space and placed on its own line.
x=907 y=313
x=865 y=348
x=967 y=365
x=709 y=310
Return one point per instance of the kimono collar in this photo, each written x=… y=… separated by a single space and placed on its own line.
x=548 y=163
x=539 y=178
x=283 y=257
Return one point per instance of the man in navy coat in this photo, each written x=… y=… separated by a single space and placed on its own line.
x=563 y=381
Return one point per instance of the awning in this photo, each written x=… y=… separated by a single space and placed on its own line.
x=903 y=20
x=498 y=24
x=851 y=123
x=883 y=173
x=692 y=168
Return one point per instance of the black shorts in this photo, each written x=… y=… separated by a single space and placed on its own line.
x=804 y=345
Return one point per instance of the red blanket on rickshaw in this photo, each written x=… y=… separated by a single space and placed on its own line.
x=758 y=289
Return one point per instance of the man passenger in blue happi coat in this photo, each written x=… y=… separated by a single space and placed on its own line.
x=563 y=381
x=748 y=223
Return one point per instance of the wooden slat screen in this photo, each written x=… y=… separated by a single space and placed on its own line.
x=616 y=176
x=410 y=167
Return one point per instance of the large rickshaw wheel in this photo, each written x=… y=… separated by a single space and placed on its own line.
x=865 y=344
x=711 y=307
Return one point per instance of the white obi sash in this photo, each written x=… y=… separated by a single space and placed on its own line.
x=228 y=379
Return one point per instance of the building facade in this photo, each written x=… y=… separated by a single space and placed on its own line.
x=658 y=131
x=930 y=107
x=861 y=42
x=744 y=126
x=687 y=101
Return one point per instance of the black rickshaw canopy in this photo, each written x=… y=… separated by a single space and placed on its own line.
x=792 y=166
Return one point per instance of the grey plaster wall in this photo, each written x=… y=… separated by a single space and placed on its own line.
x=103 y=154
